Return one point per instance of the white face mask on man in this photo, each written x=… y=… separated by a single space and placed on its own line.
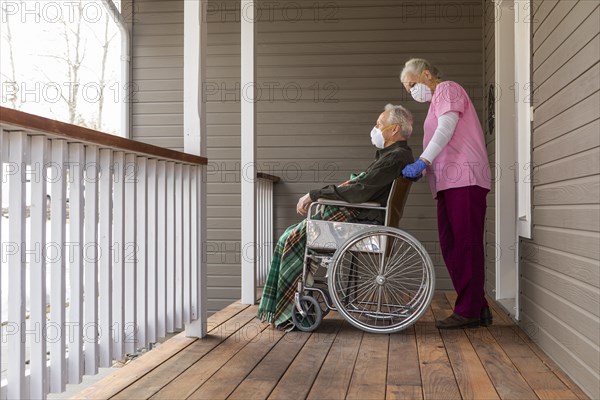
x=421 y=92
x=377 y=136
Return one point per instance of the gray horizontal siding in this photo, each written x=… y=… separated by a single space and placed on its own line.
x=560 y=281
x=157 y=73
x=345 y=64
x=346 y=72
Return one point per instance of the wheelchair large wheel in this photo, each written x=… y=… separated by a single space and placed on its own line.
x=381 y=280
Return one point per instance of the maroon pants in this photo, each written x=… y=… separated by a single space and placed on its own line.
x=461 y=217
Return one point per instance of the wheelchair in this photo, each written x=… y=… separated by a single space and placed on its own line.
x=378 y=277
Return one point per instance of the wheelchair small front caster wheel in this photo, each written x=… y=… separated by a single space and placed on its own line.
x=313 y=315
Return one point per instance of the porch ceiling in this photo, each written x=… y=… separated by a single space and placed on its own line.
x=244 y=358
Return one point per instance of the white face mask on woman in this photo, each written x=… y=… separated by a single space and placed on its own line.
x=421 y=92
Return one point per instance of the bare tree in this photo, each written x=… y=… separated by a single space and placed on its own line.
x=72 y=57
x=105 y=47
x=12 y=79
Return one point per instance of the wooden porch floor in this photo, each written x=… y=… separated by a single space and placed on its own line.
x=242 y=358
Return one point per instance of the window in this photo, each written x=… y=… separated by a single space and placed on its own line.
x=62 y=60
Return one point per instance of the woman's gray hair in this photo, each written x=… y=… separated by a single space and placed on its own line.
x=417 y=66
x=401 y=116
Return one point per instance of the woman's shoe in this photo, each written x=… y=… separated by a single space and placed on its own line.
x=486 y=318
x=456 y=321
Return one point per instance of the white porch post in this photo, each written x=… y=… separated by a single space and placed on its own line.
x=124 y=21
x=194 y=126
x=248 y=156
x=507 y=264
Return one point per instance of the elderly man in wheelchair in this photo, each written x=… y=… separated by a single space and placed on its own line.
x=348 y=254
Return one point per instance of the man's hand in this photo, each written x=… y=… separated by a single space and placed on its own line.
x=303 y=204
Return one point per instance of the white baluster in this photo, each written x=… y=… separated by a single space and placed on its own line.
x=15 y=252
x=152 y=252
x=258 y=230
x=170 y=246
x=198 y=327
x=57 y=263
x=161 y=244
x=186 y=244
x=105 y=220
x=118 y=254
x=37 y=267
x=202 y=237
x=271 y=228
x=75 y=261
x=195 y=248
x=142 y=241
x=263 y=229
x=2 y=180
x=130 y=254
x=90 y=257
x=178 y=246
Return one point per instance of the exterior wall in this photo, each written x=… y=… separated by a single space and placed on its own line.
x=325 y=75
x=157 y=76
x=560 y=271
x=346 y=64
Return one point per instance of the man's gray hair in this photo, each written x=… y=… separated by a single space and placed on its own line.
x=417 y=66
x=401 y=116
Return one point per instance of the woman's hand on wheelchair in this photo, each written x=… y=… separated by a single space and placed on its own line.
x=303 y=204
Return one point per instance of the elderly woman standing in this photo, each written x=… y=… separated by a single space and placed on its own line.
x=456 y=163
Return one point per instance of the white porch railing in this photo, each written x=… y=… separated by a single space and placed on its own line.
x=117 y=269
x=264 y=226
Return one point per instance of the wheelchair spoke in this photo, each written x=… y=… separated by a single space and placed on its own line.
x=371 y=269
x=402 y=262
x=379 y=295
x=392 y=257
x=405 y=270
x=364 y=288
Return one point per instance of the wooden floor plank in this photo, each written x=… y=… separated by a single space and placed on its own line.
x=539 y=377
x=193 y=377
x=507 y=380
x=224 y=381
x=472 y=379
x=243 y=358
x=436 y=371
x=554 y=391
x=161 y=376
x=261 y=381
x=124 y=377
x=403 y=372
x=334 y=377
x=370 y=371
x=298 y=379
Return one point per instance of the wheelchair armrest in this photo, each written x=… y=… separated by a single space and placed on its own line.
x=326 y=202
x=368 y=205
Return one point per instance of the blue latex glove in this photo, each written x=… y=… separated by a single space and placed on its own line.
x=414 y=170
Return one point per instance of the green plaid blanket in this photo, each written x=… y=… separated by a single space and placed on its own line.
x=286 y=267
